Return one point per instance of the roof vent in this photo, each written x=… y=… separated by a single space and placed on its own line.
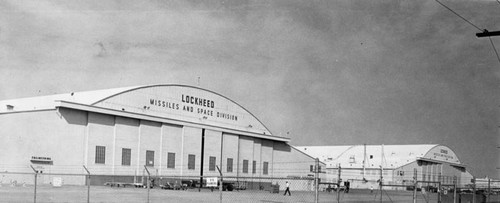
x=10 y=107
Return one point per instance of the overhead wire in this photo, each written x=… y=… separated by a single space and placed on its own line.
x=494 y=48
x=459 y=15
x=482 y=30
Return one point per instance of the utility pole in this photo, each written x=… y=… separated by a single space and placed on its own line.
x=487 y=33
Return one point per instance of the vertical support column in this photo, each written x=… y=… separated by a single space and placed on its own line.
x=161 y=151
x=202 y=157
x=182 y=151
x=139 y=150
x=86 y=143
x=113 y=152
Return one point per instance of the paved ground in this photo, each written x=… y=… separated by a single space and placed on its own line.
x=108 y=194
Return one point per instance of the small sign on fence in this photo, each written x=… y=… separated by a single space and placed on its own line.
x=57 y=181
x=212 y=182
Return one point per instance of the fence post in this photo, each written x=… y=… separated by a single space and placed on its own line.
x=88 y=184
x=439 y=187
x=148 y=180
x=36 y=177
x=415 y=184
x=221 y=183
x=381 y=177
x=338 y=182
x=473 y=189
x=455 y=189
x=316 y=180
x=489 y=189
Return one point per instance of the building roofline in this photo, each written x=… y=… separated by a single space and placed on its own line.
x=179 y=85
x=96 y=96
x=305 y=153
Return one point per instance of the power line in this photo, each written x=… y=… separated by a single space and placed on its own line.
x=485 y=33
x=459 y=15
x=492 y=44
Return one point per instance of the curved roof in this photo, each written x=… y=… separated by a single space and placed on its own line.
x=392 y=156
x=177 y=102
x=49 y=101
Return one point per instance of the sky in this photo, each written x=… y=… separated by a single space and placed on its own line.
x=322 y=72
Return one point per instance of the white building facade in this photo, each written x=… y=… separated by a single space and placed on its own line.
x=172 y=130
x=364 y=165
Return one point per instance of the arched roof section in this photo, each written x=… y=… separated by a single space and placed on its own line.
x=389 y=156
x=184 y=103
x=181 y=103
x=443 y=154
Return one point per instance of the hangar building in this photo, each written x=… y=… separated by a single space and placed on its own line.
x=362 y=165
x=173 y=130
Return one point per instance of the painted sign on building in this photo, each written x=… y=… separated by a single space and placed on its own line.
x=184 y=103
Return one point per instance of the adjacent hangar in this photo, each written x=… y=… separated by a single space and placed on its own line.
x=173 y=130
x=362 y=165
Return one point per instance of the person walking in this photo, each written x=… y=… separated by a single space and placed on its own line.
x=287 y=189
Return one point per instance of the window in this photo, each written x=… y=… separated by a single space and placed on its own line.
x=171 y=160
x=319 y=169
x=264 y=170
x=229 y=165
x=191 y=160
x=100 y=154
x=150 y=158
x=311 y=168
x=254 y=166
x=126 y=156
x=211 y=163
x=245 y=166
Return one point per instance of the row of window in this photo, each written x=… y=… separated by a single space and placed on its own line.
x=100 y=158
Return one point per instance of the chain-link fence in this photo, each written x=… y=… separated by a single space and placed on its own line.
x=38 y=186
